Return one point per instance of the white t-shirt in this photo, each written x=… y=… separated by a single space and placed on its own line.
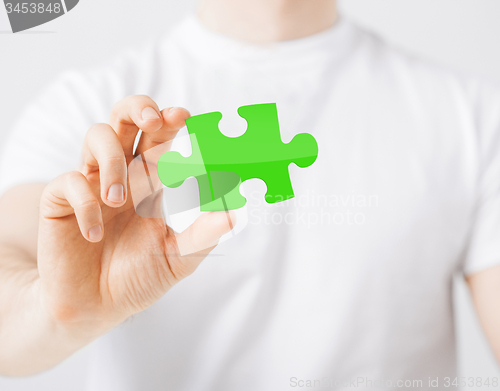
x=350 y=282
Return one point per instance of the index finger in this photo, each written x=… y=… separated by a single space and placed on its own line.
x=174 y=118
x=131 y=114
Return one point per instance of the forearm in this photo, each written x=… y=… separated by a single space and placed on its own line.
x=485 y=289
x=30 y=339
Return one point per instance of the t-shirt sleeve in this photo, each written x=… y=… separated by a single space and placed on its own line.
x=484 y=246
x=46 y=141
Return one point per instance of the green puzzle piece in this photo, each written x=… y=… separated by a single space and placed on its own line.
x=222 y=163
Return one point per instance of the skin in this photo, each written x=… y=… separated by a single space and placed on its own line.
x=83 y=261
x=485 y=290
x=75 y=258
x=264 y=21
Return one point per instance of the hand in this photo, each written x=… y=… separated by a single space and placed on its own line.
x=99 y=262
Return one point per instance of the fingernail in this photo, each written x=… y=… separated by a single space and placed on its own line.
x=95 y=233
x=149 y=113
x=115 y=192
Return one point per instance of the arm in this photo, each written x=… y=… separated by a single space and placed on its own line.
x=485 y=290
x=27 y=334
x=75 y=258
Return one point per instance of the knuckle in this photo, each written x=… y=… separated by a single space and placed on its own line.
x=87 y=205
x=117 y=110
x=116 y=160
x=132 y=100
x=142 y=97
x=181 y=271
x=49 y=201
x=178 y=269
x=72 y=178
x=95 y=130
x=47 y=205
x=125 y=107
x=140 y=100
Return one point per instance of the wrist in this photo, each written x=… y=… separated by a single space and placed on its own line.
x=75 y=328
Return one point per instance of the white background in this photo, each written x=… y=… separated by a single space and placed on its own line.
x=464 y=34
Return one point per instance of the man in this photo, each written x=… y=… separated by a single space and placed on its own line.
x=347 y=285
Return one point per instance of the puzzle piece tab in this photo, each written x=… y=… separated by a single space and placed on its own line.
x=222 y=163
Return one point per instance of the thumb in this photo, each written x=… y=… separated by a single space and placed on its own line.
x=201 y=237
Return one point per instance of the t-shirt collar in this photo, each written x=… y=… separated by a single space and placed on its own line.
x=206 y=45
